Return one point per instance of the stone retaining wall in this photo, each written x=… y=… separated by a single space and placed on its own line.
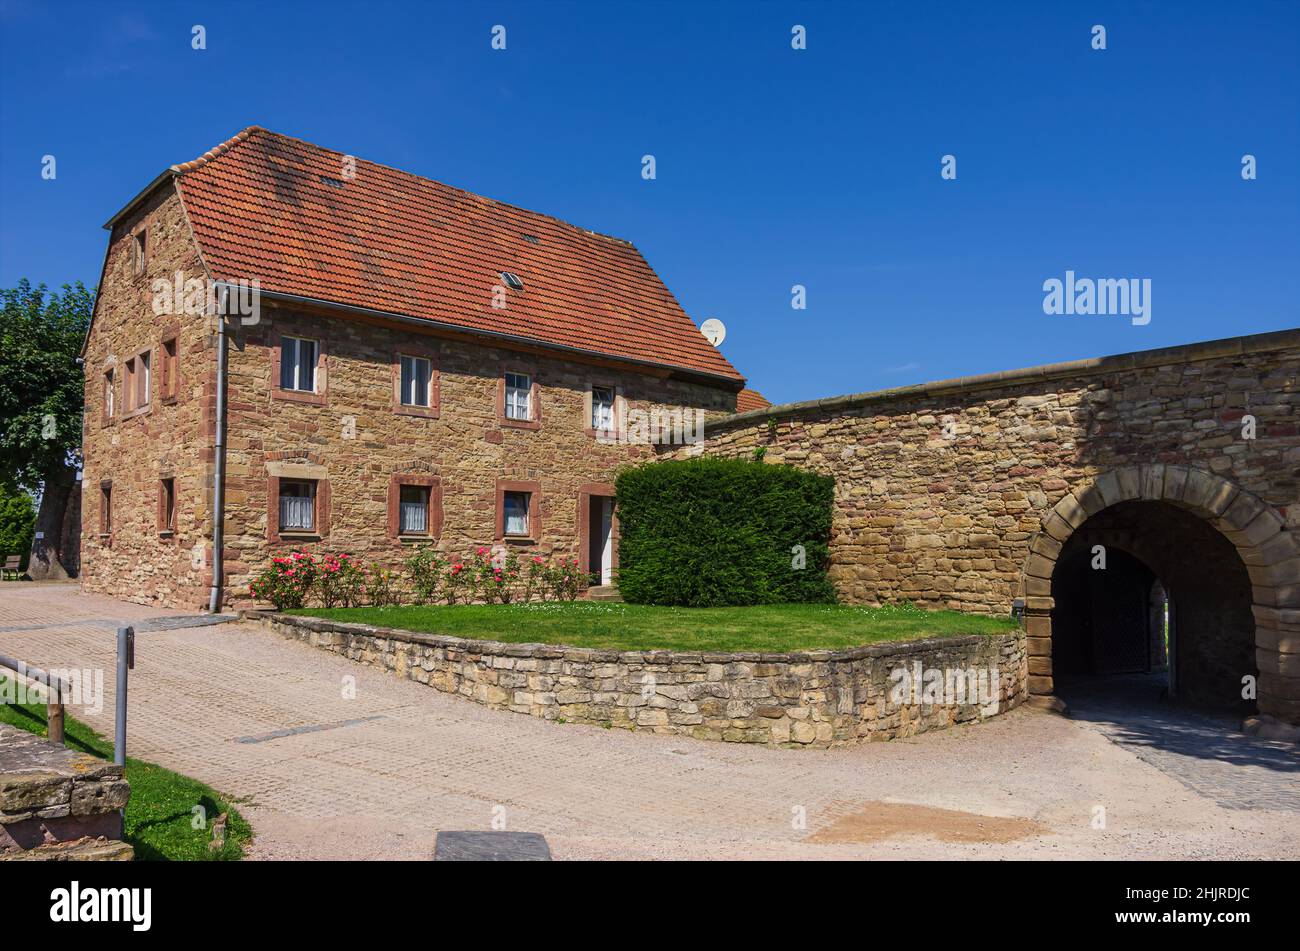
x=814 y=698
x=57 y=804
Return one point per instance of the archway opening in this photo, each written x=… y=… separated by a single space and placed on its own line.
x=1151 y=599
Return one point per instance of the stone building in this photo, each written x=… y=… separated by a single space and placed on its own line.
x=407 y=362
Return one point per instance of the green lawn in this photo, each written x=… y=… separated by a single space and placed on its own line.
x=769 y=627
x=160 y=812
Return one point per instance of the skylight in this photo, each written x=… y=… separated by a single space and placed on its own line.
x=512 y=280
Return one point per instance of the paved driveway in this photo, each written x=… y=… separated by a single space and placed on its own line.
x=325 y=774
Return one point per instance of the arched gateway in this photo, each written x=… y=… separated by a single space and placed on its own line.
x=1229 y=564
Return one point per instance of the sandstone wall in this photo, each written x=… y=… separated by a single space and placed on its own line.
x=57 y=804
x=166 y=439
x=807 y=699
x=942 y=488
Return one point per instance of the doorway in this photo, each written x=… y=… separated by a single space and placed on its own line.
x=600 y=542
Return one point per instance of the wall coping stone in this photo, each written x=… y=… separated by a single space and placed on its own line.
x=610 y=656
x=1025 y=376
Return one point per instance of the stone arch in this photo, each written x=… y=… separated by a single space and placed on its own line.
x=1269 y=550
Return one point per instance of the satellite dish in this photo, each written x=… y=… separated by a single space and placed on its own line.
x=714 y=330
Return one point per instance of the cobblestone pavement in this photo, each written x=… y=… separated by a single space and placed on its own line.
x=1206 y=753
x=270 y=722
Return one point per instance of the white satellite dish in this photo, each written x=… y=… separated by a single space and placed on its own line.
x=714 y=330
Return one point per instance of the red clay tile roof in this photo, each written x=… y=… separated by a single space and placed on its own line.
x=748 y=399
x=270 y=207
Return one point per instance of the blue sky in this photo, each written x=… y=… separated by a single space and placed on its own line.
x=775 y=167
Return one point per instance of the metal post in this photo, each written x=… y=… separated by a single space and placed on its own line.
x=125 y=661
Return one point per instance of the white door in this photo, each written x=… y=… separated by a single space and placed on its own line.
x=606 y=540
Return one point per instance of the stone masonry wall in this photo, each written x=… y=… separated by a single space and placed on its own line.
x=58 y=804
x=808 y=699
x=166 y=439
x=942 y=488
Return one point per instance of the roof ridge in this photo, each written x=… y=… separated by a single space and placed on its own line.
x=217 y=150
x=234 y=140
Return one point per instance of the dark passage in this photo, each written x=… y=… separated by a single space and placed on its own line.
x=1172 y=602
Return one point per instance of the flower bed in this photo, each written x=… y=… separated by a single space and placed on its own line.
x=487 y=576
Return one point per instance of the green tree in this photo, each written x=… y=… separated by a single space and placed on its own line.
x=41 y=399
x=17 y=521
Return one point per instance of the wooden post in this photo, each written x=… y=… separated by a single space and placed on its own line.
x=54 y=716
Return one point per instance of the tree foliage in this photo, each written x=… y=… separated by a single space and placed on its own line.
x=41 y=383
x=17 y=521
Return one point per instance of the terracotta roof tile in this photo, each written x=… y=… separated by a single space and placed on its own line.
x=270 y=207
x=748 y=399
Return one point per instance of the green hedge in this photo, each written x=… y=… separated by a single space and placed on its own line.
x=712 y=532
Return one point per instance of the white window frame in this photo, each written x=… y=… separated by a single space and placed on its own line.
x=297 y=363
x=519 y=399
x=408 y=391
x=597 y=424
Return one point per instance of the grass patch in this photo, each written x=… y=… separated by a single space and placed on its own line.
x=159 y=813
x=768 y=627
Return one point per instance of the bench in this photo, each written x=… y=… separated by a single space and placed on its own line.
x=11 y=567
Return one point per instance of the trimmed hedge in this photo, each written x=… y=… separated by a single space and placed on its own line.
x=713 y=532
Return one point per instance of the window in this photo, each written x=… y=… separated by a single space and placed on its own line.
x=135 y=395
x=414 y=506
x=105 y=508
x=416 y=374
x=139 y=251
x=512 y=280
x=298 y=505
x=108 y=395
x=602 y=408
x=519 y=396
x=167 y=506
x=516 y=513
x=170 y=370
x=414 y=510
x=298 y=364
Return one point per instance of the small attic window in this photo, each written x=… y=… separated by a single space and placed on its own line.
x=512 y=280
x=139 y=251
x=532 y=239
x=337 y=183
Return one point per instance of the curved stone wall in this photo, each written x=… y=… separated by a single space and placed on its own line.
x=813 y=698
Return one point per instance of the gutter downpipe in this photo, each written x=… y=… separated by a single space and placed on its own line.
x=219 y=477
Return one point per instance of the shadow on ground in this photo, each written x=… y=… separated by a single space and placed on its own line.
x=1204 y=750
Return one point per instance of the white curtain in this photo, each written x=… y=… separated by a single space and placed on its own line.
x=295 y=513
x=415 y=517
x=517 y=514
